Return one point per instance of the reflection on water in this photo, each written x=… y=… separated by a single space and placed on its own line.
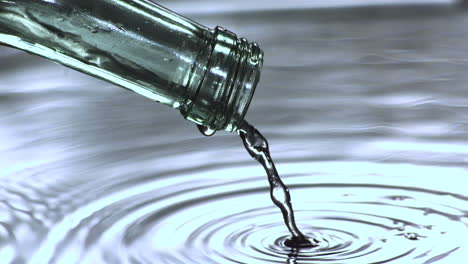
x=365 y=110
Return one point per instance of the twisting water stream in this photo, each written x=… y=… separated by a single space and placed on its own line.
x=257 y=147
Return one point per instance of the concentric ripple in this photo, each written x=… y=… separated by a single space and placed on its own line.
x=358 y=217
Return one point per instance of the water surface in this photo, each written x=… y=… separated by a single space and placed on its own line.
x=365 y=111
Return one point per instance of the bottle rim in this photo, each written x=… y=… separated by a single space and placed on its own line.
x=245 y=82
x=228 y=85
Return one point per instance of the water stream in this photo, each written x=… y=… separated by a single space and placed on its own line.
x=257 y=146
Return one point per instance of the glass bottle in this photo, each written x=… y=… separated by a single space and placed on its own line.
x=209 y=75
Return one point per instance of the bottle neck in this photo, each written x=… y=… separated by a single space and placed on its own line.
x=222 y=97
x=210 y=75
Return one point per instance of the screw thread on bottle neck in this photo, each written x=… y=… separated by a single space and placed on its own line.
x=232 y=73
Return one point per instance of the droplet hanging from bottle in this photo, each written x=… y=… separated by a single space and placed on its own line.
x=206 y=131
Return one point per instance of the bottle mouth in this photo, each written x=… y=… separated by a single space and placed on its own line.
x=228 y=84
x=244 y=83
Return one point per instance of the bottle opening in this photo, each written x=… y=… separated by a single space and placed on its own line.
x=232 y=73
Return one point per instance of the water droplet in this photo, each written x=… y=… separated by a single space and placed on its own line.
x=412 y=236
x=206 y=131
x=176 y=105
